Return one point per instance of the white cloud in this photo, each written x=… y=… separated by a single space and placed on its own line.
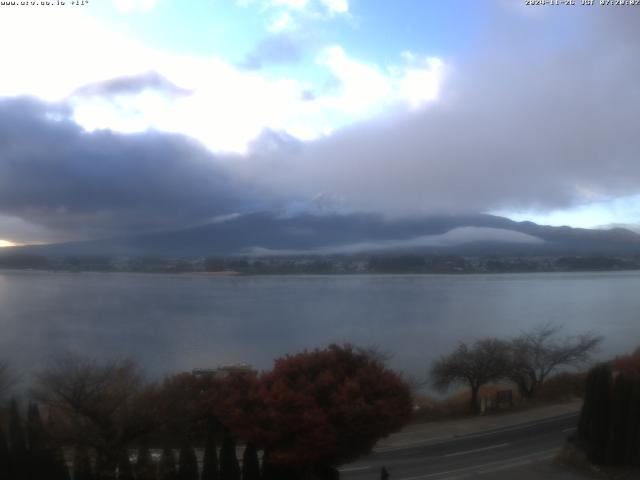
x=293 y=4
x=366 y=89
x=313 y=8
x=420 y=81
x=457 y=236
x=66 y=63
x=336 y=6
x=229 y=106
x=282 y=22
x=361 y=85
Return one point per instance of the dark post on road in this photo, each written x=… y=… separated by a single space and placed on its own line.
x=384 y=474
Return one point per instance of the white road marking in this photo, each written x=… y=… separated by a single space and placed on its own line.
x=466 y=436
x=511 y=462
x=466 y=452
x=354 y=469
x=516 y=427
x=507 y=466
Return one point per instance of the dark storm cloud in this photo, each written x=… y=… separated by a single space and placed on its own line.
x=131 y=85
x=55 y=175
x=544 y=114
x=277 y=48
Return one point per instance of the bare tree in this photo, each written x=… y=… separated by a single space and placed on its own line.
x=103 y=406
x=537 y=353
x=485 y=361
x=376 y=353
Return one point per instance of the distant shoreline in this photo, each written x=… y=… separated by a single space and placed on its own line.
x=224 y=274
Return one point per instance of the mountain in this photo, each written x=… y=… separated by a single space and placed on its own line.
x=265 y=234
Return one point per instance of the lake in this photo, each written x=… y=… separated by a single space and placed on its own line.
x=179 y=322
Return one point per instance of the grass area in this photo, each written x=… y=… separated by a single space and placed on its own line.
x=561 y=388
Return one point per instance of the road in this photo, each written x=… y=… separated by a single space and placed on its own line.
x=478 y=455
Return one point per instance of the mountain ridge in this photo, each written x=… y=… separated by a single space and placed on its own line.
x=313 y=234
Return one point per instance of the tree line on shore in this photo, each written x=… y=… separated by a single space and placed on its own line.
x=311 y=413
x=321 y=264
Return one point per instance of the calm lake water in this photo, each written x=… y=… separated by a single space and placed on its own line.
x=173 y=323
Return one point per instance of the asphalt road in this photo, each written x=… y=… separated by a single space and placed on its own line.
x=478 y=455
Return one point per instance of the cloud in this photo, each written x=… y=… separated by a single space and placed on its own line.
x=336 y=6
x=292 y=4
x=274 y=49
x=291 y=14
x=55 y=72
x=331 y=6
x=362 y=85
x=520 y=125
x=226 y=107
x=456 y=236
x=112 y=81
x=131 y=85
x=56 y=177
x=282 y=22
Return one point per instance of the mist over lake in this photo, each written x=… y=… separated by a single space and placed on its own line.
x=179 y=322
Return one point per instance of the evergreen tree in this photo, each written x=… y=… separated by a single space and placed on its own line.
x=4 y=457
x=250 y=463
x=210 y=459
x=167 y=467
x=271 y=471
x=105 y=467
x=39 y=455
x=188 y=467
x=229 y=468
x=632 y=448
x=125 y=470
x=58 y=465
x=82 y=469
x=598 y=432
x=586 y=413
x=17 y=444
x=619 y=420
x=144 y=465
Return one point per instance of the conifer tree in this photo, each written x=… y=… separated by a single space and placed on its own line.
x=586 y=413
x=105 y=467
x=59 y=468
x=599 y=427
x=619 y=420
x=229 y=468
x=632 y=448
x=40 y=459
x=125 y=470
x=4 y=457
x=144 y=465
x=210 y=459
x=167 y=467
x=17 y=444
x=82 y=469
x=250 y=463
x=188 y=463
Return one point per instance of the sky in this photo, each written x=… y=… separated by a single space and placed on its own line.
x=126 y=116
